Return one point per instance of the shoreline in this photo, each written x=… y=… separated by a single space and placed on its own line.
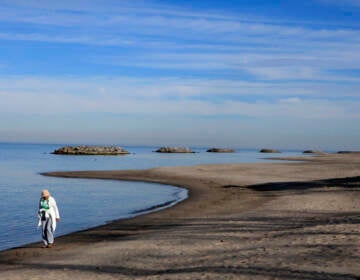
x=210 y=199
x=162 y=206
x=131 y=215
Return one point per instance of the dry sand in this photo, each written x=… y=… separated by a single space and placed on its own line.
x=289 y=220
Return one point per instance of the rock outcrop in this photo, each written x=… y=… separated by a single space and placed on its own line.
x=271 y=151
x=91 y=150
x=220 y=150
x=315 y=152
x=174 y=150
x=348 y=152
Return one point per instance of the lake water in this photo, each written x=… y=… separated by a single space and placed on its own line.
x=86 y=203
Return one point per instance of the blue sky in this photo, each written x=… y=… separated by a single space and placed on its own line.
x=215 y=73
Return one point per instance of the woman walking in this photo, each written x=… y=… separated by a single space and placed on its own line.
x=48 y=216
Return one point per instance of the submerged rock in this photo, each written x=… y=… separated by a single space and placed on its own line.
x=174 y=150
x=220 y=150
x=269 y=151
x=90 y=150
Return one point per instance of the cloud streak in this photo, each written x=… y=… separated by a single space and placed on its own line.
x=173 y=87
x=206 y=40
x=125 y=96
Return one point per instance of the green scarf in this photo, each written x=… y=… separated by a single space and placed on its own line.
x=44 y=204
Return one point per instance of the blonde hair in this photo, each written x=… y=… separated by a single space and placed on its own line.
x=45 y=193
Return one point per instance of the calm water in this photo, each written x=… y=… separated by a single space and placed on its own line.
x=85 y=203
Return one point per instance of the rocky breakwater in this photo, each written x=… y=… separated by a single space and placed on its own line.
x=315 y=152
x=174 y=150
x=220 y=150
x=91 y=150
x=270 y=151
x=348 y=152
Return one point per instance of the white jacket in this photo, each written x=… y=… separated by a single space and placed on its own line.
x=53 y=212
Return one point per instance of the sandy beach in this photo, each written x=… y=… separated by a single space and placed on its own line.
x=285 y=220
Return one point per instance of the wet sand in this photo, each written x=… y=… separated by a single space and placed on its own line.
x=289 y=220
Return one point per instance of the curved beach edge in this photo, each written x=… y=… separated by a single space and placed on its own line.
x=282 y=211
x=180 y=195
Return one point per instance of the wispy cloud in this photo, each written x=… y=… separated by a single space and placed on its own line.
x=169 y=38
x=174 y=87
x=134 y=96
x=21 y=103
x=268 y=65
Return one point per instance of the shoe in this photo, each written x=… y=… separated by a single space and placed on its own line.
x=49 y=246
